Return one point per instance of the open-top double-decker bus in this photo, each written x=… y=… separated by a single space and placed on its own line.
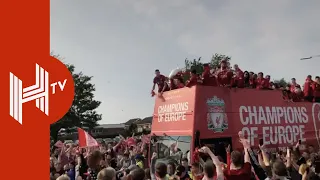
x=215 y=115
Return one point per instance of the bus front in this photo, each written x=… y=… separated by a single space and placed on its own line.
x=173 y=125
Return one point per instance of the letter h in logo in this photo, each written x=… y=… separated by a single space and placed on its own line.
x=38 y=92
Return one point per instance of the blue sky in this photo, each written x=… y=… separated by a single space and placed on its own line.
x=121 y=43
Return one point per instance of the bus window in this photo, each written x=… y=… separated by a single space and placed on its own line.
x=164 y=147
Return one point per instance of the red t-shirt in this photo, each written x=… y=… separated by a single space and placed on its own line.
x=316 y=88
x=174 y=86
x=307 y=89
x=239 y=174
x=267 y=83
x=208 y=79
x=160 y=81
x=225 y=77
x=253 y=83
x=180 y=86
x=239 y=78
x=293 y=87
x=193 y=81
x=297 y=97
x=261 y=83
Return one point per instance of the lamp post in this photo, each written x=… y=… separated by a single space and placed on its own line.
x=307 y=58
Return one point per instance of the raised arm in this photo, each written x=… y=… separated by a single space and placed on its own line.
x=265 y=157
x=288 y=157
x=246 y=147
x=260 y=159
x=153 y=165
x=215 y=161
x=114 y=148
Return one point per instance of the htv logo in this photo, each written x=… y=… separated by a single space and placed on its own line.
x=38 y=92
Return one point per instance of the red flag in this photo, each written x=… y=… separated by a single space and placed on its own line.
x=130 y=142
x=85 y=140
x=59 y=144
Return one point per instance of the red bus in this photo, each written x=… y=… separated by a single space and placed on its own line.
x=214 y=116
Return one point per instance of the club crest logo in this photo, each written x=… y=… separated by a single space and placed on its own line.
x=216 y=117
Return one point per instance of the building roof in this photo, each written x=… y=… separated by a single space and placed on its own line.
x=110 y=126
x=147 y=120
x=132 y=121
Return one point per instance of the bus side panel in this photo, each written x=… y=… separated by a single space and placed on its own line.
x=259 y=114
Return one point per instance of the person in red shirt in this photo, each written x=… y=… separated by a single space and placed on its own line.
x=316 y=88
x=253 y=80
x=308 y=89
x=193 y=79
x=293 y=84
x=206 y=75
x=176 y=83
x=239 y=77
x=297 y=94
x=160 y=80
x=261 y=82
x=212 y=169
x=267 y=83
x=179 y=83
x=236 y=169
x=287 y=94
x=224 y=75
x=208 y=79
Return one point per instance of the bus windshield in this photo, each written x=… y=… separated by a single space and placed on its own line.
x=164 y=146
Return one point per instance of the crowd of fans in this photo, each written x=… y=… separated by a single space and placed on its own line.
x=236 y=78
x=113 y=161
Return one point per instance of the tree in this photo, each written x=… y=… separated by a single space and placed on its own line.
x=281 y=82
x=217 y=58
x=83 y=112
x=197 y=65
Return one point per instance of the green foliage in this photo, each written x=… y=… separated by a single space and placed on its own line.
x=133 y=128
x=191 y=65
x=198 y=65
x=282 y=82
x=217 y=58
x=83 y=110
